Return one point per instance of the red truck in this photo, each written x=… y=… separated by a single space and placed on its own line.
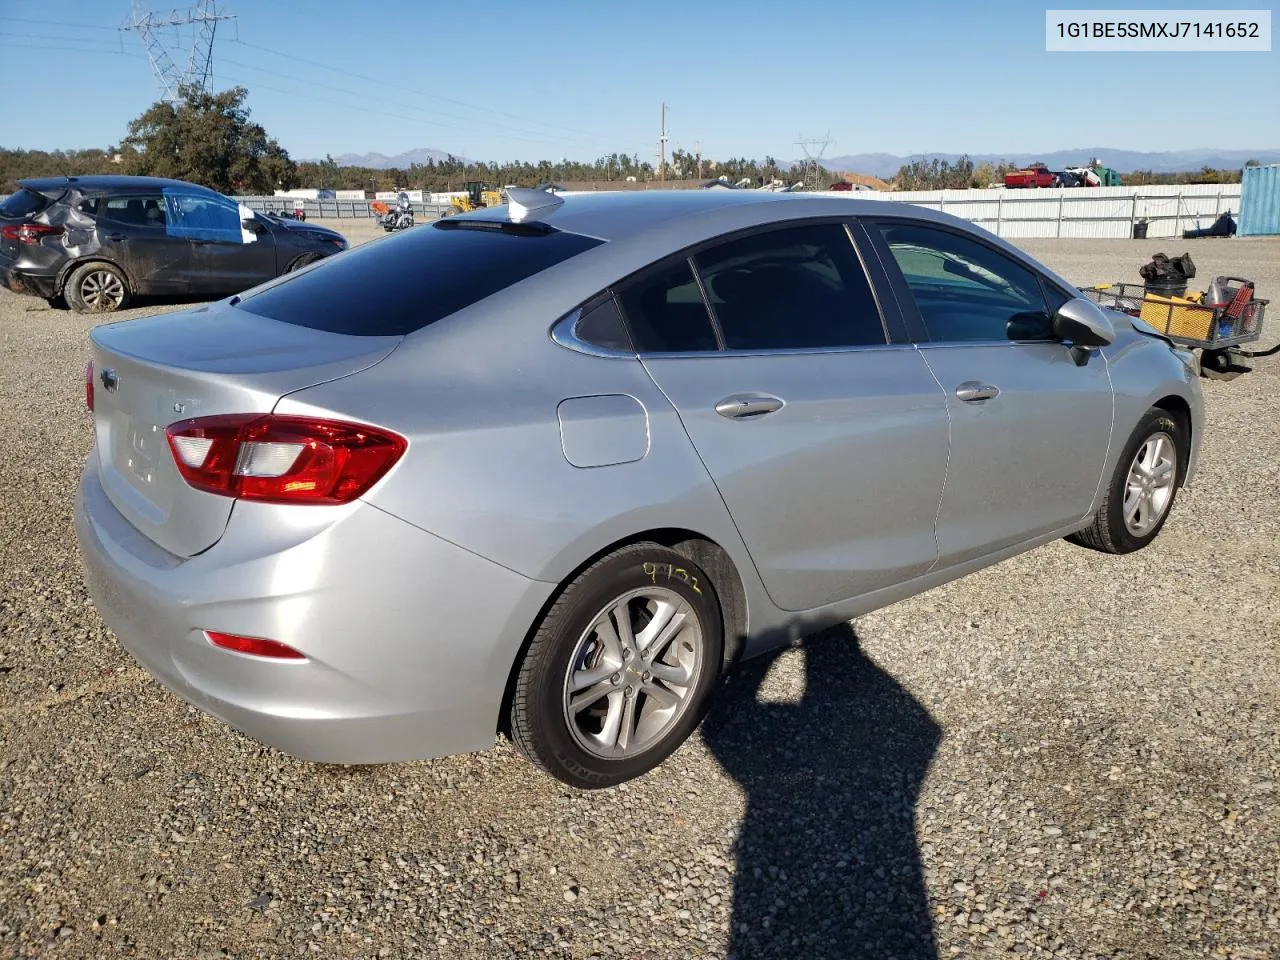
x=1032 y=176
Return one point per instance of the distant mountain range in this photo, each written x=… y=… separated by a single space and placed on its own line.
x=1126 y=161
x=887 y=164
x=380 y=161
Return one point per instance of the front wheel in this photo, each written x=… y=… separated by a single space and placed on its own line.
x=1143 y=487
x=620 y=670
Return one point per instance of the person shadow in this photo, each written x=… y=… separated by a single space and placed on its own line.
x=827 y=863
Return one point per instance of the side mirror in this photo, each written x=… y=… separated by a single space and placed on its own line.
x=1083 y=324
x=253 y=226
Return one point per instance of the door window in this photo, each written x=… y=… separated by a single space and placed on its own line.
x=135 y=211
x=199 y=216
x=801 y=287
x=966 y=291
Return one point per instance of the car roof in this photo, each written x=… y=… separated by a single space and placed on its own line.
x=115 y=183
x=617 y=215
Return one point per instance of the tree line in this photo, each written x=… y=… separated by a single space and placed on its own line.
x=209 y=138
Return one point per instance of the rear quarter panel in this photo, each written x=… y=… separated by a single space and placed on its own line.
x=477 y=396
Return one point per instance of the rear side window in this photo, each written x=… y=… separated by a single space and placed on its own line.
x=666 y=311
x=796 y=288
x=405 y=282
x=24 y=203
x=136 y=211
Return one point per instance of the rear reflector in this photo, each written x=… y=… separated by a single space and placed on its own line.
x=254 y=646
x=277 y=459
x=88 y=385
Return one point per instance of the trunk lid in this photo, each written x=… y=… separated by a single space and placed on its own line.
x=155 y=371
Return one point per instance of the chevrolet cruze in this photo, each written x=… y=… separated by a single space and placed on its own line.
x=550 y=468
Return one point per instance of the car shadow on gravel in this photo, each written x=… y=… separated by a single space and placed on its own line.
x=827 y=863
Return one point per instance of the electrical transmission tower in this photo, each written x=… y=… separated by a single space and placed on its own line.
x=812 y=175
x=203 y=18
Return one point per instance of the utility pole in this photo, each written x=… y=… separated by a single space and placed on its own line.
x=662 y=146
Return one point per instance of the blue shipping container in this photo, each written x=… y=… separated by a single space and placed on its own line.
x=1260 y=202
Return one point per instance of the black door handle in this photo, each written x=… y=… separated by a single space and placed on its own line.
x=116 y=236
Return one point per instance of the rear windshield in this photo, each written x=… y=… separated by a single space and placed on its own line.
x=23 y=204
x=401 y=284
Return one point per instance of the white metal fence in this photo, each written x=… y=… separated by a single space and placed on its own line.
x=1091 y=212
x=333 y=209
x=1087 y=212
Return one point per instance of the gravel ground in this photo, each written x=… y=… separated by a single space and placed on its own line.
x=1067 y=754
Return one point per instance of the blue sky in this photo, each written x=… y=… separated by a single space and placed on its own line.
x=576 y=79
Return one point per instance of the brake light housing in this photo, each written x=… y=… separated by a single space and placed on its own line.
x=30 y=233
x=282 y=459
x=88 y=385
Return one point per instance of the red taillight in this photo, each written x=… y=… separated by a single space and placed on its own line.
x=88 y=385
x=280 y=459
x=29 y=232
x=254 y=646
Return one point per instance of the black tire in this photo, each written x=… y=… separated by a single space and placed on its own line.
x=540 y=726
x=1108 y=532
x=299 y=262
x=97 y=288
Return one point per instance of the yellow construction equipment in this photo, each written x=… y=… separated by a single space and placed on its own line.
x=479 y=194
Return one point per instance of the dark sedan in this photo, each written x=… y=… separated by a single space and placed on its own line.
x=97 y=241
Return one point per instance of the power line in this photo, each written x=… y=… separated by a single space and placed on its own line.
x=59 y=23
x=504 y=128
x=421 y=93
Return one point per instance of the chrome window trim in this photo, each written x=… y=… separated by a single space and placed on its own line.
x=565 y=332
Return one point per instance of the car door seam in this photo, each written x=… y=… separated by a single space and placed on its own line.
x=1111 y=436
x=946 y=471
x=710 y=476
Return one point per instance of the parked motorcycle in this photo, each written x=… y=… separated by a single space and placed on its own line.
x=399 y=217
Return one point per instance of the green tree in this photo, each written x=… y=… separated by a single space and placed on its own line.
x=208 y=138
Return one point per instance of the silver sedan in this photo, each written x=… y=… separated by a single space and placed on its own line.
x=550 y=468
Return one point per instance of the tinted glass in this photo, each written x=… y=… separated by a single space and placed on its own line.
x=602 y=325
x=137 y=211
x=966 y=291
x=666 y=313
x=412 y=279
x=802 y=287
x=23 y=204
x=199 y=216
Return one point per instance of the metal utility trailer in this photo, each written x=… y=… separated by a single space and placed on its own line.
x=1217 y=329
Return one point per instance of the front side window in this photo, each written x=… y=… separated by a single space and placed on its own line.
x=796 y=288
x=199 y=216
x=966 y=291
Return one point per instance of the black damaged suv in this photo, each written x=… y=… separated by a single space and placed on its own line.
x=97 y=241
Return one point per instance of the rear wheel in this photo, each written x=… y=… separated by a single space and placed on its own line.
x=97 y=288
x=1143 y=487
x=620 y=669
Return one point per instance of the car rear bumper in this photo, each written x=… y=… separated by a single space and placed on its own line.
x=19 y=281
x=409 y=639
